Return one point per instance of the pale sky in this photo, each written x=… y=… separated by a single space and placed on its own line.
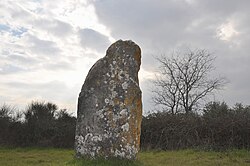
x=48 y=46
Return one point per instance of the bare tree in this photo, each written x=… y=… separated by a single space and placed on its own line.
x=184 y=80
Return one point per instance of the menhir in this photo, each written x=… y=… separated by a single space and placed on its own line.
x=109 y=110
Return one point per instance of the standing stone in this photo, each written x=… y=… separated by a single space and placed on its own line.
x=109 y=105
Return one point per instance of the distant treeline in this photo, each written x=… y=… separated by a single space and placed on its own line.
x=218 y=128
x=40 y=125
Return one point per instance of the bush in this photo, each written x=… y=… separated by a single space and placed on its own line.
x=43 y=125
x=218 y=128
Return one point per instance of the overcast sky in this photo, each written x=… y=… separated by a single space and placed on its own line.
x=48 y=46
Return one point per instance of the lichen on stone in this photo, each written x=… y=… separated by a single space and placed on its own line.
x=125 y=127
x=109 y=105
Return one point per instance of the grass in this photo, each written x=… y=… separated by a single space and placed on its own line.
x=196 y=158
x=34 y=156
x=60 y=157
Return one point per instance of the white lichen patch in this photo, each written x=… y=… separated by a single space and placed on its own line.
x=120 y=75
x=100 y=113
x=119 y=153
x=111 y=102
x=112 y=82
x=128 y=151
x=87 y=136
x=106 y=135
x=126 y=76
x=125 y=127
x=80 y=144
x=96 y=138
x=113 y=94
x=87 y=145
x=131 y=149
x=125 y=85
x=124 y=139
x=106 y=101
x=79 y=138
x=116 y=118
x=124 y=112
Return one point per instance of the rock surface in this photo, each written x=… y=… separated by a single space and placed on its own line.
x=109 y=105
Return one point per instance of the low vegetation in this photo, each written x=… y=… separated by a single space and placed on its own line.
x=166 y=139
x=41 y=124
x=54 y=157
x=217 y=128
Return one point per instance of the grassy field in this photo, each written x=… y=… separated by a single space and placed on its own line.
x=60 y=157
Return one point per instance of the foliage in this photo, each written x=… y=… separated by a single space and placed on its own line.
x=220 y=127
x=39 y=123
x=227 y=127
x=43 y=125
x=168 y=132
x=65 y=130
x=6 y=122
